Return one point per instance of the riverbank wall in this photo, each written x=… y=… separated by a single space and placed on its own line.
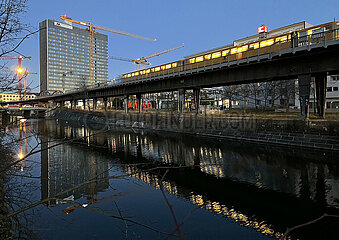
x=317 y=134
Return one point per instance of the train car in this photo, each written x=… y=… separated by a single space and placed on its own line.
x=315 y=34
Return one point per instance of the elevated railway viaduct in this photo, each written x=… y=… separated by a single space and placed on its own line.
x=301 y=61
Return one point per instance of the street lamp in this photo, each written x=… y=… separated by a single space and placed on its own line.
x=19 y=70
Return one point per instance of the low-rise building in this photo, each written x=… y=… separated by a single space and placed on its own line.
x=332 y=94
x=9 y=97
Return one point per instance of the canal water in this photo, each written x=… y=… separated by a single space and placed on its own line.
x=79 y=183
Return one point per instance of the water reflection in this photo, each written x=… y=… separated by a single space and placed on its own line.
x=65 y=166
x=266 y=189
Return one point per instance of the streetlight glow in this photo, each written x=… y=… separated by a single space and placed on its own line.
x=19 y=70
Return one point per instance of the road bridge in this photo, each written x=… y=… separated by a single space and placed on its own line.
x=297 y=58
x=24 y=111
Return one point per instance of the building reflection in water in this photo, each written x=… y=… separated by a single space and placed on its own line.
x=66 y=166
x=266 y=173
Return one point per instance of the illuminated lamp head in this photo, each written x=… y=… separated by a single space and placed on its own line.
x=19 y=70
x=20 y=156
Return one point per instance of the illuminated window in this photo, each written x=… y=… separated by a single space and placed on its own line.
x=234 y=50
x=174 y=64
x=281 y=39
x=266 y=43
x=225 y=52
x=163 y=67
x=132 y=74
x=129 y=75
x=148 y=70
x=254 y=45
x=192 y=60
x=242 y=49
x=157 y=69
x=208 y=57
x=216 y=55
x=199 y=59
x=168 y=66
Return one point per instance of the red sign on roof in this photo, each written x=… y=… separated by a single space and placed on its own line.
x=262 y=29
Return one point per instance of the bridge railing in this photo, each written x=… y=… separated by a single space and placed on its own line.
x=252 y=50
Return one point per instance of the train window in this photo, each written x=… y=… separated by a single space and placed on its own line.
x=136 y=73
x=281 y=39
x=148 y=70
x=174 y=64
x=143 y=72
x=157 y=69
x=267 y=43
x=168 y=66
x=199 y=59
x=129 y=75
x=225 y=52
x=192 y=60
x=234 y=50
x=132 y=74
x=318 y=33
x=216 y=55
x=207 y=57
x=163 y=67
x=254 y=45
x=242 y=49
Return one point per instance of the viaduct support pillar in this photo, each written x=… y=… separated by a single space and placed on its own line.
x=126 y=104
x=139 y=103
x=304 y=95
x=95 y=102
x=73 y=104
x=105 y=104
x=196 y=93
x=84 y=104
x=181 y=98
x=320 y=94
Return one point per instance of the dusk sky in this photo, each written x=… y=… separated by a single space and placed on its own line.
x=201 y=25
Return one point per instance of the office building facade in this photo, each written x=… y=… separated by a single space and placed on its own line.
x=64 y=57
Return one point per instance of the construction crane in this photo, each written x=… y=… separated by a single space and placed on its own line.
x=143 y=60
x=134 y=61
x=25 y=83
x=91 y=29
x=19 y=70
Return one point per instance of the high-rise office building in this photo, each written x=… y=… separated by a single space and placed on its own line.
x=64 y=57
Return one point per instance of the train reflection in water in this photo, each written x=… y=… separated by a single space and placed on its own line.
x=267 y=189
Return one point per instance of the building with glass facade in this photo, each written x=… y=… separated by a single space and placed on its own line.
x=64 y=57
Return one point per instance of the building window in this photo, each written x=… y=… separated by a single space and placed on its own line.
x=335 y=89
x=328 y=105
x=329 y=89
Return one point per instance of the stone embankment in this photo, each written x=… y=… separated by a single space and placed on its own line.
x=318 y=134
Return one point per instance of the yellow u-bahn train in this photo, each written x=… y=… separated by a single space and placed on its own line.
x=315 y=34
